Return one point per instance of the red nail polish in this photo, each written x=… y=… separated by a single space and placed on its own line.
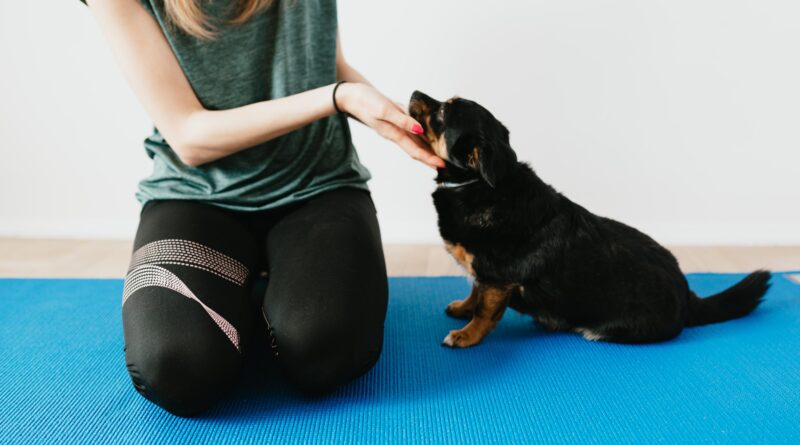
x=417 y=128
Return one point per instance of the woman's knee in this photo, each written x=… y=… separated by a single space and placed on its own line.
x=320 y=354
x=184 y=379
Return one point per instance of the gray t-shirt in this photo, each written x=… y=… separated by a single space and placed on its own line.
x=287 y=49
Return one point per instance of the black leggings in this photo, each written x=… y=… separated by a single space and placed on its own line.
x=188 y=311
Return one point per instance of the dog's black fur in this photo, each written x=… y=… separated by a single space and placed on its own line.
x=573 y=270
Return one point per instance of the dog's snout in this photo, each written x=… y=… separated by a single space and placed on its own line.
x=419 y=96
x=423 y=102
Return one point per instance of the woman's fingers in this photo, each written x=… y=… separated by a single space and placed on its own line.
x=411 y=146
x=391 y=120
x=401 y=107
x=416 y=151
x=401 y=120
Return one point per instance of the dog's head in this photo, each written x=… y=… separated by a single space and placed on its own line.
x=466 y=135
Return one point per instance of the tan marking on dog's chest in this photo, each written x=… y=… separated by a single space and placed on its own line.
x=437 y=143
x=439 y=147
x=461 y=255
x=474 y=158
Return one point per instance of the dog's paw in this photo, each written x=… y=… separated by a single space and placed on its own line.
x=460 y=339
x=457 y=309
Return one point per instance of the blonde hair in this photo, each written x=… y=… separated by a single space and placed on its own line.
x=189 y=16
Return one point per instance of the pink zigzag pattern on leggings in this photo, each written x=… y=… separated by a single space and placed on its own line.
x=192 y=254
x=151 y=275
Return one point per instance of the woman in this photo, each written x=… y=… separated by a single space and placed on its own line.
x=254 y=173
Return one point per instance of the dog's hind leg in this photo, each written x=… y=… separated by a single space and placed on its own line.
x=589 y=334
x=464 y=308
x=518 y=302
x=631 y=334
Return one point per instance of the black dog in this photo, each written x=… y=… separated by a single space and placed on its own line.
x=531 y=248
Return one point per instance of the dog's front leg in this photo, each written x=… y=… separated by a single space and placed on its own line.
x=491 y=304
x=464 y=308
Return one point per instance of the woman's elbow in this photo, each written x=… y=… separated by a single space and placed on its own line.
x=185 y=143
x=192 y=161
x=190 y=157
x=188 y=153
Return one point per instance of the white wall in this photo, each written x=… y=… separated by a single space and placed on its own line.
x=680 y=117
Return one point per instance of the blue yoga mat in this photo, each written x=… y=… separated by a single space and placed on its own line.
x=63 y=379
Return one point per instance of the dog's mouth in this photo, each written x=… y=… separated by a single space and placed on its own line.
x=420 y=107
x=421 y=113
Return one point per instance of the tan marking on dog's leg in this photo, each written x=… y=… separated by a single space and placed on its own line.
x=492 y=304
x=464 y=308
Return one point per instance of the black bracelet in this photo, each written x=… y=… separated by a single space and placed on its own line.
x=336 y=106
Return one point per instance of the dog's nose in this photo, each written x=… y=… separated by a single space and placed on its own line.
x=422 y=97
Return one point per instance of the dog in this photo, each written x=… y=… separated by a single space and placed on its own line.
x=530 y=248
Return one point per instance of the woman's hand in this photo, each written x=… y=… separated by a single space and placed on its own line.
x=387 y=118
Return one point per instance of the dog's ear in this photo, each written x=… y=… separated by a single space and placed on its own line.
x=493 y=154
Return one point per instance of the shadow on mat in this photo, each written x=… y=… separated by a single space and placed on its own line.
x=414 y=367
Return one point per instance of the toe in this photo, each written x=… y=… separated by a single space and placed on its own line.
x=449 y=340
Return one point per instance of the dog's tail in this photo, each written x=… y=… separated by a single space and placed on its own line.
x=734 y=302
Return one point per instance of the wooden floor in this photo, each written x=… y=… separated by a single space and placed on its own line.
x=109 y=259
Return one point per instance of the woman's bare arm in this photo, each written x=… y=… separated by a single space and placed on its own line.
x=198 y=135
